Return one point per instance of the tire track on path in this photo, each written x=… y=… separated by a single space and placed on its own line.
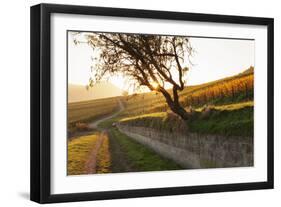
x=91 y=163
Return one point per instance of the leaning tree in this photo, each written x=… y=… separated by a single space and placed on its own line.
x=158 y=62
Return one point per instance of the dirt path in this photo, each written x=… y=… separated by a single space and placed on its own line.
x=91 y=164
x=95 y=124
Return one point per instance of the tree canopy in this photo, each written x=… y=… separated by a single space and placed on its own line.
x=155 y=61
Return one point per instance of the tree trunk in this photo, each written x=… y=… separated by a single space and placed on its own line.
x=174 y=104
x=179 y=110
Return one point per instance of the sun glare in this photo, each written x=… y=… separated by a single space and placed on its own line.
x=118 y=81
x=154 y=85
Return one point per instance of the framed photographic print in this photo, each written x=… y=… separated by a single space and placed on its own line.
x=133 y=103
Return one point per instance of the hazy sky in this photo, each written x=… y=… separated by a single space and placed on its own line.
x=214 y=59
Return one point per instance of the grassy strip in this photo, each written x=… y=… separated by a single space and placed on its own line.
x=103 y=157
x=226 y=122
x=142 y=157
x=233 y=119
x=160 y=121
x=108 y=123
x=78 y=152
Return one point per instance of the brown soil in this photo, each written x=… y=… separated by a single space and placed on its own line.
x=91 y=164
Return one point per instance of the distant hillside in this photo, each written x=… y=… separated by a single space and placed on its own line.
x=229 y=90
x=78 y=93
x=250 y=70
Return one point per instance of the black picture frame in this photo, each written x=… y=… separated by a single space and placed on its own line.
x=41 y=99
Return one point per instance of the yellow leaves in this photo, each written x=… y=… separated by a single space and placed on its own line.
x=228 y=88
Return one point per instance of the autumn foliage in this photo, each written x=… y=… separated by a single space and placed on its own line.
x=233 y=89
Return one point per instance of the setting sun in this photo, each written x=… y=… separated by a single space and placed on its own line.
x=205 y=62
x=155 y=85
x=142 y=97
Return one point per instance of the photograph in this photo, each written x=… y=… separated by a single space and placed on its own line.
x=154 y=102
x=133 y=103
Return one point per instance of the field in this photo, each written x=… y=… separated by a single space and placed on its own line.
x=80 y=113
x=224 y=107
x=230 y=119
x=225 y=91
x=117 y=153
x=229 y=90
x=90 y=110
x=78 y=152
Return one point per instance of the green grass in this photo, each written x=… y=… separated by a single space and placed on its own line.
x=232 y=119
x=108 y=123
x=142 y=157
x=239 y=122
x=150 y=110
x=152 y=102
x=161 y=121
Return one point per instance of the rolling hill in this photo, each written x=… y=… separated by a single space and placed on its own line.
x=77 y=93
